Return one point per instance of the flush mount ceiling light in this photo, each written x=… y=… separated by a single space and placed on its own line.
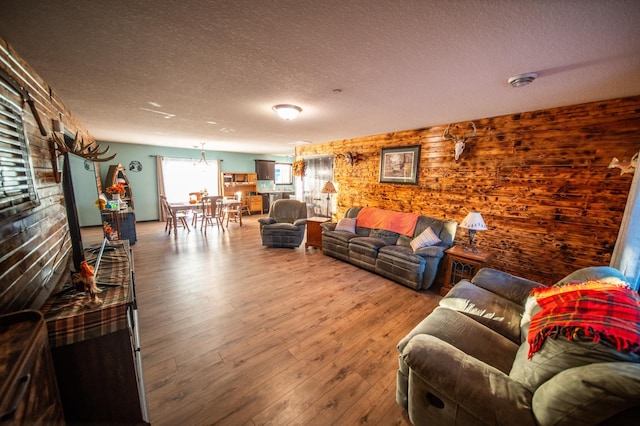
x=286 y=111
x=522 y=79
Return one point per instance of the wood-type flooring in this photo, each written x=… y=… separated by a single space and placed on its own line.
x=234 y=333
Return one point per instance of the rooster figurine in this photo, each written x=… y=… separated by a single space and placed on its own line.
x=89 y=280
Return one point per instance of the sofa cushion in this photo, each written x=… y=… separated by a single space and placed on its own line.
x=368 y=242
x=400 y=252
x=389 y=237
x=561 y=354
x=506 y=285
x=426 y=238
x=339 y=235
x=593 y=273
x=594 y=396
x=347 y=225
x=484 y=306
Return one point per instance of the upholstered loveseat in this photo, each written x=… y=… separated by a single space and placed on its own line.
x=470 y=361
x=381 y=241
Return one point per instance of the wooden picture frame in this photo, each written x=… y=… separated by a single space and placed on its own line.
x=399 y=164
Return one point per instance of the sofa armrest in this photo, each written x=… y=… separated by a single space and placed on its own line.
x=266 y=220
x=477 y=388
x=299 y=222
x=505 y=285
x=431 y=251
x=598 y=392
x=328 y=226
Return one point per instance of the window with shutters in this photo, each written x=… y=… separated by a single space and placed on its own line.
x=17 y=190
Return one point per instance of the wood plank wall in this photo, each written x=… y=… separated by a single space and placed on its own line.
x=35 y=245
x=540 y=180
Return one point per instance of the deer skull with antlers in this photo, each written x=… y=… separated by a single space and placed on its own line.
x=460 y=141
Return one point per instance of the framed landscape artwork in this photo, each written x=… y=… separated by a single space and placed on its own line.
x=400 y=164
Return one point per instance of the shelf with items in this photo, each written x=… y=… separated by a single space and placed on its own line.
x=234 y=182
x=117 y=175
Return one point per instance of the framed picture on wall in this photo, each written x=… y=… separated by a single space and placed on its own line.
x=399 y=164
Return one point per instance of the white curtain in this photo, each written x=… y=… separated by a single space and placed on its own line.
x=181 y=176
x=626 y=254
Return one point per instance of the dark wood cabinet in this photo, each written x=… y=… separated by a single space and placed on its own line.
x=462 y=263
x=314 y=232
x=96 y=350
x=28 y=389
x=266 y=169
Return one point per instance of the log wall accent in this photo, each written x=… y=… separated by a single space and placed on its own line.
x=35 y=245
x=540 y=180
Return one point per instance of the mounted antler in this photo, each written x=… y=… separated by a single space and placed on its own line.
x=86 y=152
x=351 y=157
x=459 y=140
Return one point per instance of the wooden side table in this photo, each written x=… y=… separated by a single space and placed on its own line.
x=462 y=263
x=314 y=232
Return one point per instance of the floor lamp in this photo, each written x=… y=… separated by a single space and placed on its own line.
x=328 y=189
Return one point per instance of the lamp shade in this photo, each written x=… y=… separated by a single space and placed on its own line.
x=328 y=188
x=286 y=111
x=474 y=222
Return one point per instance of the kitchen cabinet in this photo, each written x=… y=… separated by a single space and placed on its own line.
x=245 y=183
x=28 y=389
x=266 y=169
x=255 y=203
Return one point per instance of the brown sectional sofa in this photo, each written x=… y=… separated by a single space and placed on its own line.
x=466 y=363
x=389 y=253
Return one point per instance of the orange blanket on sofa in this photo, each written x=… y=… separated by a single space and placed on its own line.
x=375 y=218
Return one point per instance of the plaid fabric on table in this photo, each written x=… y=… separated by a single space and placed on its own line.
x=70 y=316
x=593 y=310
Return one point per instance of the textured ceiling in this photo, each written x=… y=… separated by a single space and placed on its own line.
x=181 y=73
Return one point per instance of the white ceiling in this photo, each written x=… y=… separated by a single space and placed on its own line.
x=181 y=73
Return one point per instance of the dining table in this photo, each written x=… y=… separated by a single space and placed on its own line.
x=182 y=206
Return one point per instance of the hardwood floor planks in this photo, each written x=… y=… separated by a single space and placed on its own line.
x=234 y=333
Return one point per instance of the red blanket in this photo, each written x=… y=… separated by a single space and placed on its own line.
x=375 y=218
x=594 y=310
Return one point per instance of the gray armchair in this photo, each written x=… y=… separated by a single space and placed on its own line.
x=285 y=225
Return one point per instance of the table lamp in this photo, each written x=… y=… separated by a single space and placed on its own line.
x=472 y=223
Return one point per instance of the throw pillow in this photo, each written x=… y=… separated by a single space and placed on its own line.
x=426 y=238
x=347 y=225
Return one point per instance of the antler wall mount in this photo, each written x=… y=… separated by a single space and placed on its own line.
x=90 y=152
x=351 y=157
x=460 y=141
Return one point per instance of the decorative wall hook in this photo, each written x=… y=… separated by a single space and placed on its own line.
x=460 y=141
x=625 y=166
x=351 y=157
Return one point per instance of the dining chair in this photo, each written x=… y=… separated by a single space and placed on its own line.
x=197 y=197
x=232 y=210
x=212 y=212
x=244 y=202
x=179 y=217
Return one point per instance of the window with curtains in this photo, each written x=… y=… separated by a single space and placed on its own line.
x=17 y=190
x=182 y=176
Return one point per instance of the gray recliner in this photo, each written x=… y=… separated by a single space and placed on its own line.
x=285 y=225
